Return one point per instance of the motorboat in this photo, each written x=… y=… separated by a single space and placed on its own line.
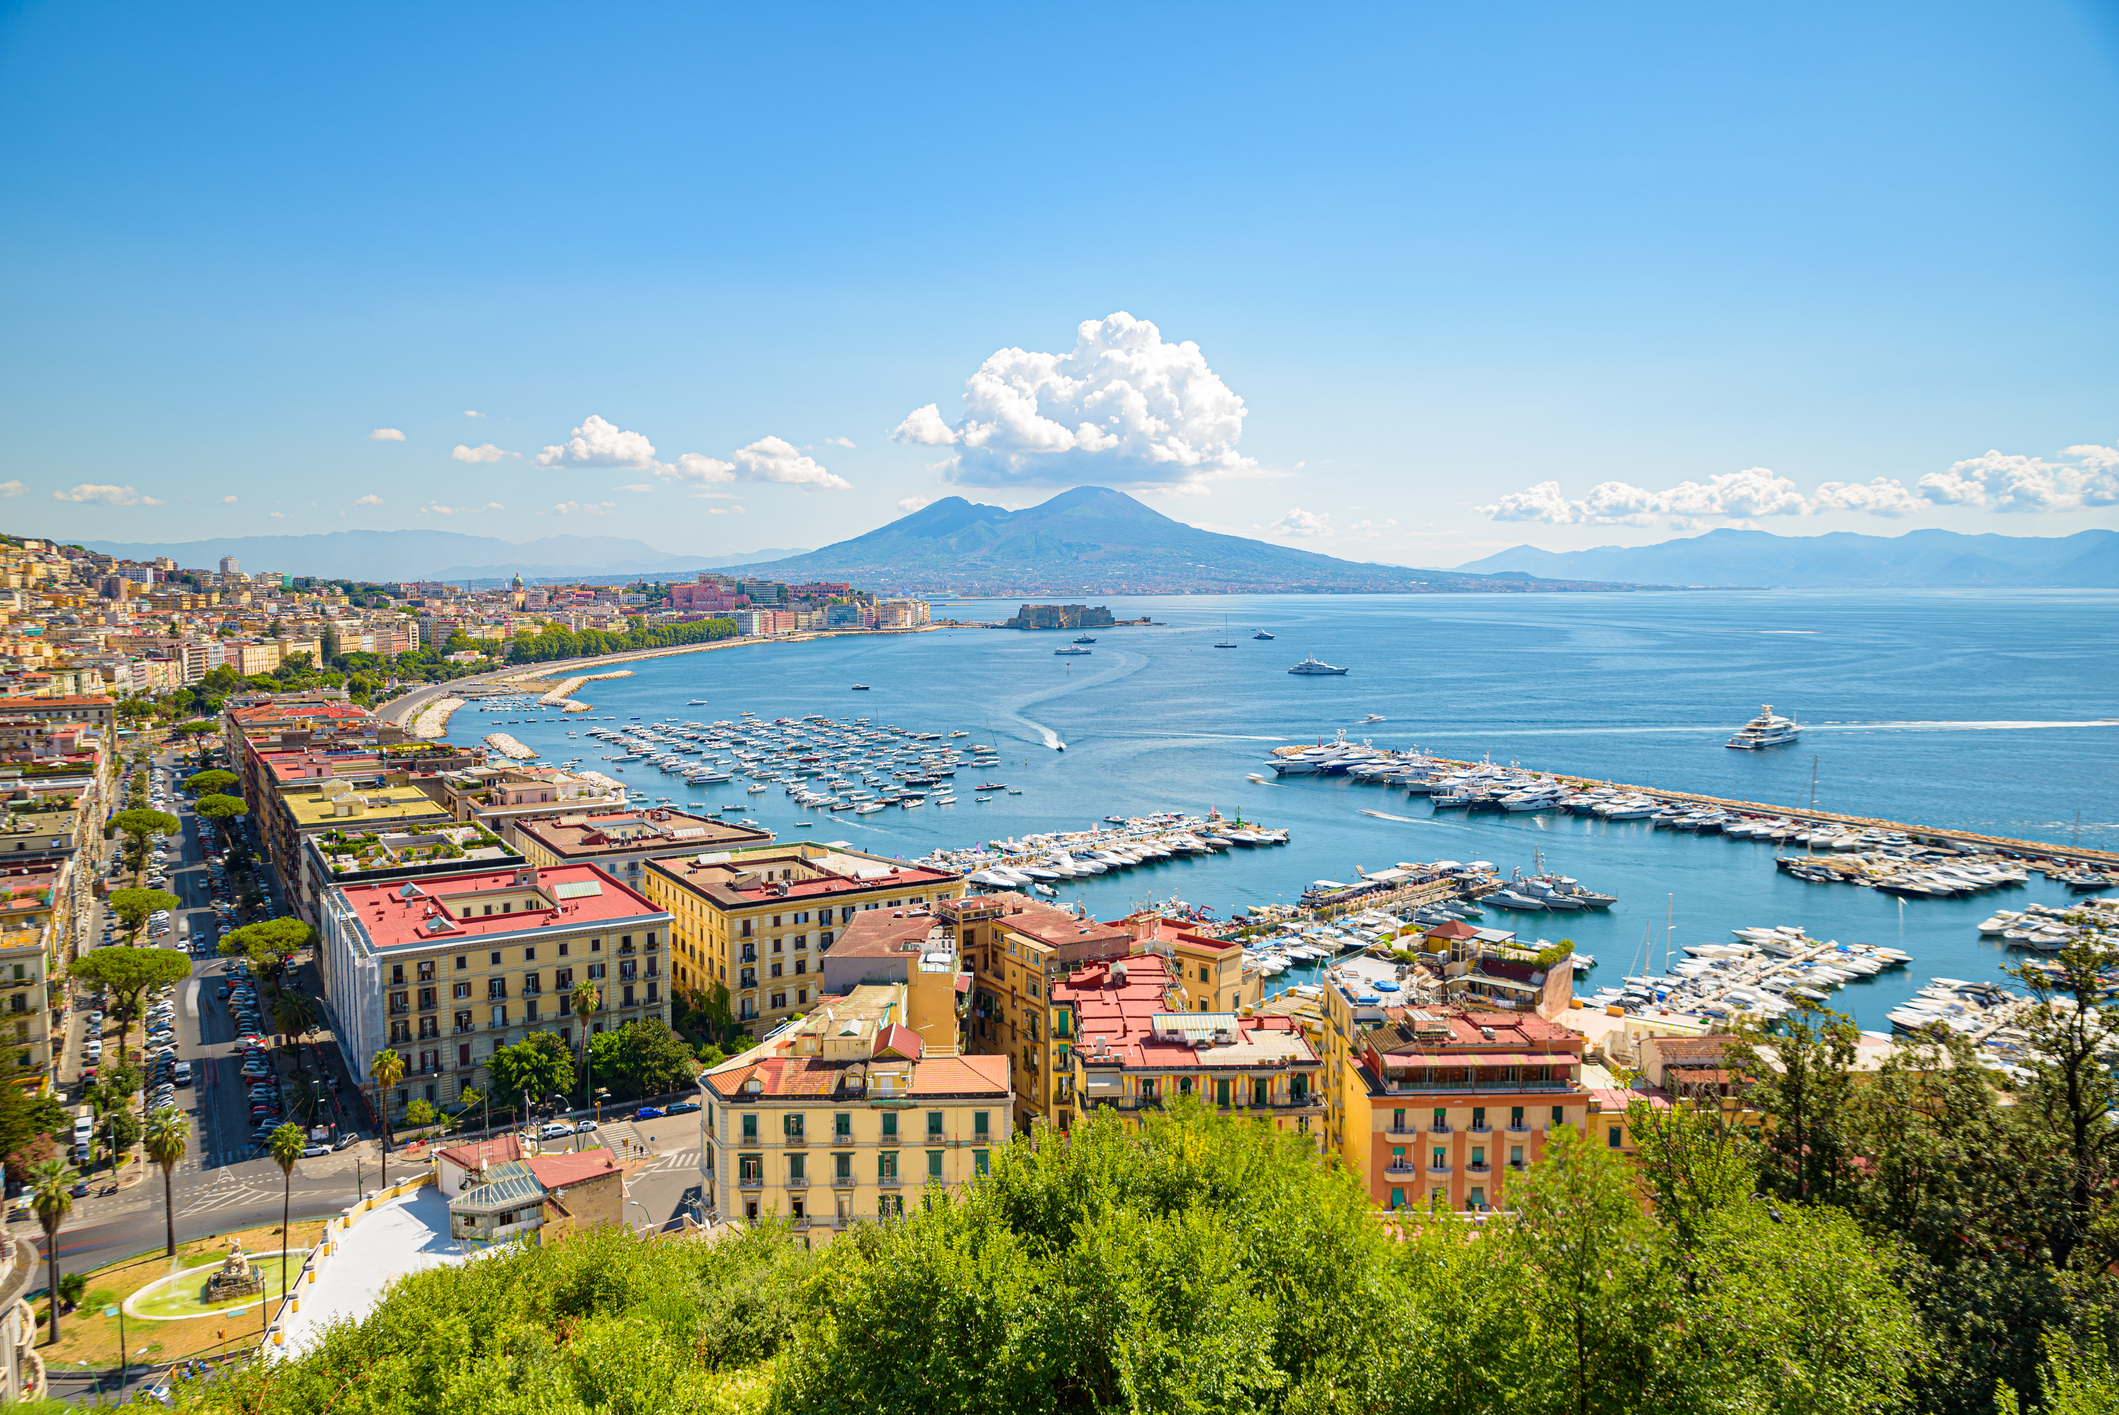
x=1312 y=667
x=1261 y=634
x=1765 y=730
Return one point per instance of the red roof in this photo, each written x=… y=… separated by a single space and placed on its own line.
x=899 y=1039
x=961 y=1075
x=409 y=913
x=478 y=1155
x=1455 y=928
x=556 y=1171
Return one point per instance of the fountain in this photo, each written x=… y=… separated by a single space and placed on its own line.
x=237 y=1278
x=237 y=1281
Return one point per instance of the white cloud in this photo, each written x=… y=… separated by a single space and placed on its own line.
x=484 y=452
x=12 y=488
x=435 y=508
x=1755 y=491
x=724 y=510
x=2002 y=482
x=597 y=443
x=105 y=494
x=228 y=500
x=369 y=500
x=386 y=434
x=911 y=504
x=774 y=460
x=696 y=467
x=473 y=413
x=846 y=442
x=635 y=486
x=586 y=508
x=281 y=515
x=1298 y=522
x=1122 y=407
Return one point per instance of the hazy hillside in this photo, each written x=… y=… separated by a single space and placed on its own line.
x=1092 y=540
x=431 y=555
x=1926 y=559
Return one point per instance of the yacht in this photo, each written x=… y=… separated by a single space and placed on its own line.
x=1261 y=634
x=1312 y=667
x=1070 y=652
x=1085 y=639
x=1765 y=730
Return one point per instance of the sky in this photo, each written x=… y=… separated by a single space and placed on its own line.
x=1409 y=283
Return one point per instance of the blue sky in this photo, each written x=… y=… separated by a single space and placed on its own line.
x=1456 y=277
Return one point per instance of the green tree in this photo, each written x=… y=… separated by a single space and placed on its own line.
x=419 y=1114
x=1802 y=1074
x=121 y=1131
x=268 y=944
x=2076 y=1378
x=128 y=973
x=166 y=1137
x=587 y=999
x=220 y=808
x=210 y=783
x=285 y=1146
x=294 y=1013
x=134 y=907
x=138 y=825
x=2073 y=1091
x=535 y=1067
x=387 y=1067
x=642 y=1059
x=51 y=1202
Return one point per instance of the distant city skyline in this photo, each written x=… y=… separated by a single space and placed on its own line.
x=722 y=279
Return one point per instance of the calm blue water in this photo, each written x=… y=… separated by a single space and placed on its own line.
x=1984 y=710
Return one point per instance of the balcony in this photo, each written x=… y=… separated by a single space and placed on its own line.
x=1478 y=1167
x=460 y=1031
x=843 y=1181
x=1439 y=1128
x=750 y=1183
x=1517 y=1127
x=1401 y=1169
x=799 y=1141
x=888 y=1181
x=1442 y=1167
x=400 y=1011
x=1481 y=1128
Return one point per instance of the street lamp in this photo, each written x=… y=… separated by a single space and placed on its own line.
x=649 y=1227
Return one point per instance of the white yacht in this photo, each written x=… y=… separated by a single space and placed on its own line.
x=1310 y=666
x=1765 y=730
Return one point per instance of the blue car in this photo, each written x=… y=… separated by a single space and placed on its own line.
x=648 y=1112
x=682 y=1108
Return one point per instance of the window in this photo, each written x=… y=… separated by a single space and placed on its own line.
x=397 y=972
x=842 y=1126
x=750 y=1169
x=463 y=961
x=529 y=955
x=1261 y=1091
x=500 y=1016
x=890 y=1125
x=1515 y=1157
x=1147 y=1088
x=1617 y=1137
x=462 y=1022
x=791 y=1125
x=887 y=1165
x=562 y=978
x=979 y=1124
x=1221 y=1093
x=562 y=948
x=426 y=970
x=779 y=1001
x=1559 y=1115
x=1441 y=1158
x=1184 y=1083
x=798 y=1169
x=496 y=987
x=495 y=959
x=842 y=1169
x=1441 y=1119
x=1478 y=1117
x=934 y=1164
x=1515 y=1117
x=934 y=1125
x=461 y=990
x=1204 y=975
x=750 y=1129
x=463 y=1053
x=979 y=1162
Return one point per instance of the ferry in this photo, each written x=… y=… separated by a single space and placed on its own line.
x=1312 y=667
x=1070 y=652
x=1765 y=730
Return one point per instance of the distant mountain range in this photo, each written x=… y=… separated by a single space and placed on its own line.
x=1092 y=540
x=1926 y=559
x=434 y=555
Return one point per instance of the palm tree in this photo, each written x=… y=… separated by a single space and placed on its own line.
x=388 y=1068
x=294 y=1013
x=48 y=1197
x=586 y=1000
x=286 y=1146
x=165 y=1146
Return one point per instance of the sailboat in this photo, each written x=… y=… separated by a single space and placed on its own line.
x=1226 y=642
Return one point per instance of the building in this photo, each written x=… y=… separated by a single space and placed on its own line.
x=26 y=965
x=500 y=797
x=833 y=1121
x=1127 y=1049
x=1019 y=951
x=758 y=922
x=340 y=805
x=1440 y=1105
x=1060 y=616
x=230 y=565
x=447 y=969
x=92 y=708
x=913 y=948
x=621 y=842
x=537 y=1198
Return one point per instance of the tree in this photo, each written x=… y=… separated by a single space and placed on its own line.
x=587 y=998
x=166 y=1135
x=294 y=1013
x=388 y=1068
x=1803 y=1074
x=26 y=1124
x=643 y=1059
x=121 y=1131
x=134 y=907
x=535 y=1067
x=269 y=943
x=2073 y=1090
x=51 y=1202
x=210 y=783
x=137 y=825
x=127 y=973
x=419 y=1114
x=286 y=1146
x=220 y=808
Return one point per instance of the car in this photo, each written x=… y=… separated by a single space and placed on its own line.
x=182 y=1073
x=95 y=1048
x=553 y=1129
x=346 y=1138
x=585 y=1127
x=315 y=1149
x=220 y=994
x=682 y=1108
x=80 y=1189
x=649 y=1112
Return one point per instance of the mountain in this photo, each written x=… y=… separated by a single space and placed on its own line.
x=432 y=555
x=1092 y=540
x=1927 y=559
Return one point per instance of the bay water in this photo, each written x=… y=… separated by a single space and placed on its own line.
x=1995 y=711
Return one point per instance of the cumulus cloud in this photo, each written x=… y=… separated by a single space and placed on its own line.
x=635 y=486
x=435 y=508
x=228 y=500
x=1122 y=407
x=2002 y=482
x=386 y=434
x=840 y=441
x=281 y=515
x=484 y=452
x=15 y=488
x=724 y=510
x=1755 y=491
x=699 y=468
x=597 y=443
x=586 y=508
x=910 y=504
x=473 y=413
x=775 y=460
x=369 y=500
x=105 y=494
x=1298 y=522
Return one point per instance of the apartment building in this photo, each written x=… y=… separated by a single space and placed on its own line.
x=914 y=948
x=500 y=798
x=759 y=921
x=26 y=966
x=1019 y=951
x=621 y=842
x=1127 y=1049
x=447 y=969
x=1439 y=1106
x=94 y=709
x=834 y=1120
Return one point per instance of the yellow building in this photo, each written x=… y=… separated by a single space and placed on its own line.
x=758 y=922
x=837 y=1119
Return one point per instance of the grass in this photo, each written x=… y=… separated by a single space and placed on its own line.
x=87 y=1337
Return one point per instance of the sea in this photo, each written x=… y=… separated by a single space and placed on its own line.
x=1984 y=710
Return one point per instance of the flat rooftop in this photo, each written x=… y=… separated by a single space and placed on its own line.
x=493 y=904
x=795 y=876
x=382 y=805
x=591 y=836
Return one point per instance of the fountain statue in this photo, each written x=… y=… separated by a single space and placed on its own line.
x=235 y=1278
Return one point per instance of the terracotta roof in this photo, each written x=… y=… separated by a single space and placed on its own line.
x=1703 y=1051
x=408 y=913
x=587 y=836
x=1455 y=928
x=880 y=933
x=899 y=1039
x=497 y=1150
x=960 y=1076
x=555 y=1171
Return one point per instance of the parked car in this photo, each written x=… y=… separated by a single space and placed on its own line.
x=683 y=1108
x=585 y=1127
x=182 y=1073
x=648 y=1112
x=348 y=1137
x=315 y=1149
x=554 y=1129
